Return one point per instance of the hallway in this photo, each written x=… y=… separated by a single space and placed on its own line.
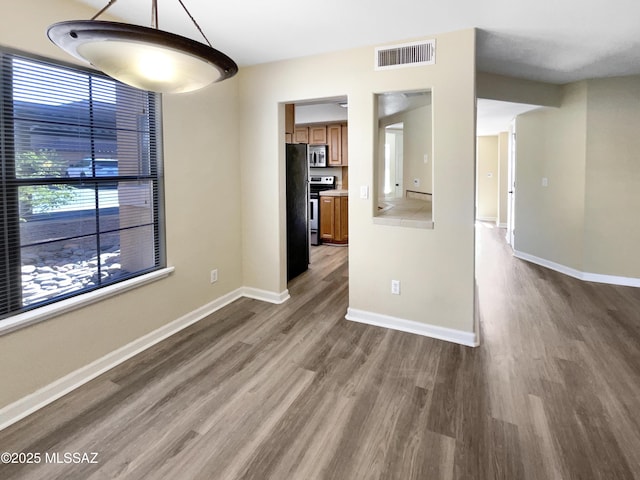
x=562 y=363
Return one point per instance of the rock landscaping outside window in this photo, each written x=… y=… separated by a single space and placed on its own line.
x=48 y=272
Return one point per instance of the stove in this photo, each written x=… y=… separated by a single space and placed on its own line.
x=317 y=184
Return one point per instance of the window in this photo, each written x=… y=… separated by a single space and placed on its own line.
x=80 y=182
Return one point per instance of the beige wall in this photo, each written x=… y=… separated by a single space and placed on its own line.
x=417 y=143
x=517 y=90
x=436 y=267
x=203 y=225
x=550 y=144
x=487 y=178
x=612 y=219
x=503 y=177
x=589 y=151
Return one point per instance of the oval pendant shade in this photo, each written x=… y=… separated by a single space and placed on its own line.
x=143 y=57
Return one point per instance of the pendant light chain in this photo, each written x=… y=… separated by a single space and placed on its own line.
x=111 y=2
x=195 y=23
x=154 y=16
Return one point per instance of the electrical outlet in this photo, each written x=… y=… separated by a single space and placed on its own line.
x=214 y=275
x=395 y=287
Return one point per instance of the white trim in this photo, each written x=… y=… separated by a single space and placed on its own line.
x=611 y=279
x=501 y=225
x=548 y=264
x=64 y=306
x=476 y=313
x=572 y=272
x=403 y=222
x=49 y=393
x=265 y=295
x=487 y=219
x=460 y=337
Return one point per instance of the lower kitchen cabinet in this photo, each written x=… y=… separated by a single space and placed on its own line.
x=334 y=219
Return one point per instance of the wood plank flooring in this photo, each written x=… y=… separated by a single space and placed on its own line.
x=295 y=392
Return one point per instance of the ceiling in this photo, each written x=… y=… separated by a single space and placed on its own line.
x=494 y=116
x=555 y=41
x=394 y=102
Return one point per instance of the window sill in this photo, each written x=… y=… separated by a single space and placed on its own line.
x=403 y=222
x=46 y=312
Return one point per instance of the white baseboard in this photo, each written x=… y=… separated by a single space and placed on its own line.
x=44 y=396
x=612 y=279
x=501 y=225
x=487 y=219
x=460 y=337
x=265 y=295
x=572 y=272
x=476 y=313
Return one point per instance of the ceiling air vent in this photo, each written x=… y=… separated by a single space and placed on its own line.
x=406 y=55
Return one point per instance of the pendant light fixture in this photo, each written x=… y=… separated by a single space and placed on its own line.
x=143 y=57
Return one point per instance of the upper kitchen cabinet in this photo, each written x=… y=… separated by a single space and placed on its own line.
x=318 y=135
x=301 y=135
x=345 y=143
x=337 y=141
x=289 y=121
x=289 y=117
x=334 y=134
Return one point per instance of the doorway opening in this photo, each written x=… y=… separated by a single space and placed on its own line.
x=316 y=137
x=496 y=163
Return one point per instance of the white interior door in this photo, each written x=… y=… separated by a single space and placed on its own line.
x=393 y=159
x=511 y=192
x=399 y=187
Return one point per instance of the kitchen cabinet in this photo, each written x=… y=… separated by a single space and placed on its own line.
x=335 y=135
x=338 y=145
x=289 y=118
x=327 y=218
x=334 y=140
x=301 y=135
x=289 y=122
x=334 y=219
x=345 y=149
x=318 y=135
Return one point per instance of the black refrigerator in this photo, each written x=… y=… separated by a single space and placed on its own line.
x=297 y=209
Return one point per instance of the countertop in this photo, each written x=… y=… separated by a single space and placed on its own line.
x=334 y=193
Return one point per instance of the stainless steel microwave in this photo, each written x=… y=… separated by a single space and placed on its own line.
x=317 y=155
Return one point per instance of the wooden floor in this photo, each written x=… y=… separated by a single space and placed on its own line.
x=295 y=392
